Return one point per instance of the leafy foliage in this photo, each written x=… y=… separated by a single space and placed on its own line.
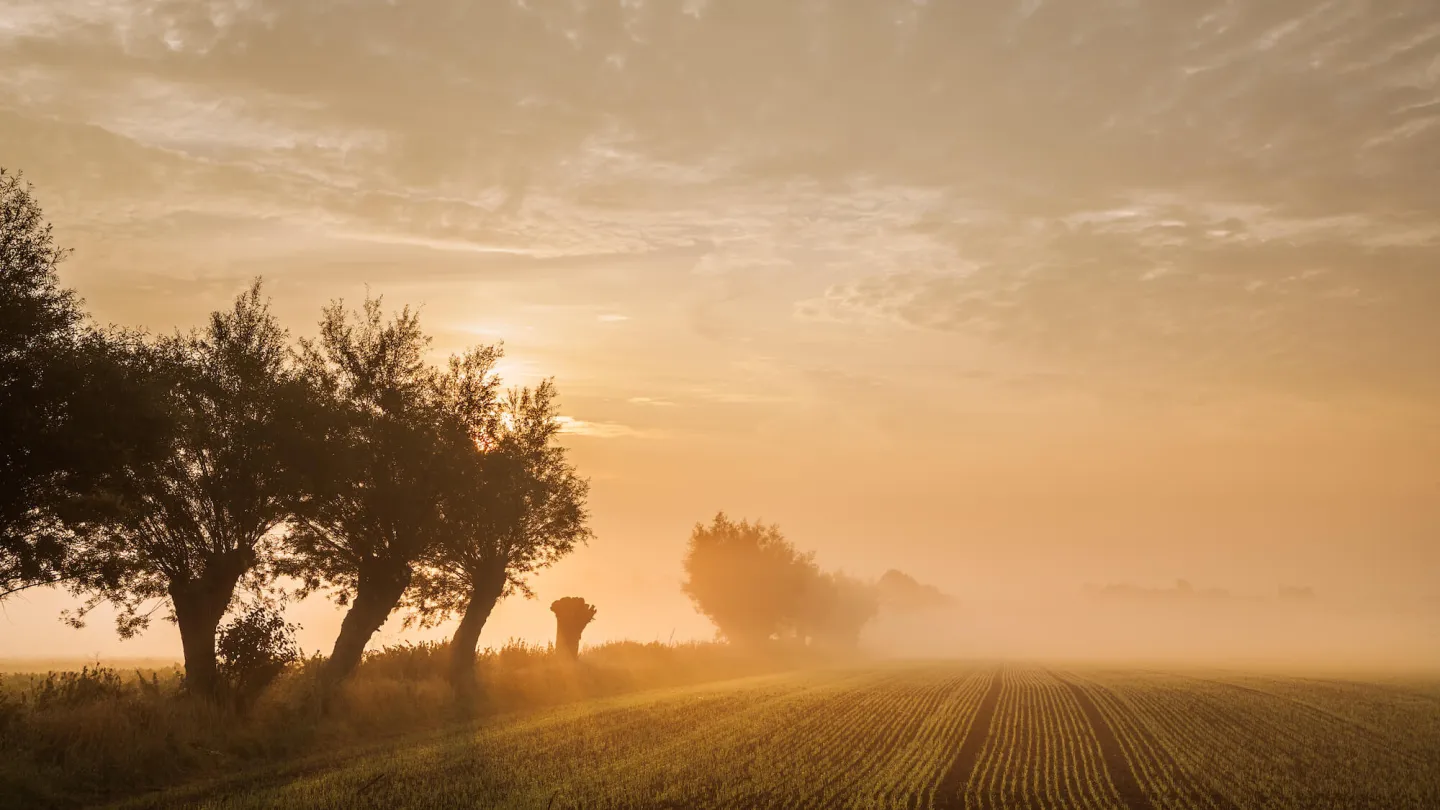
x=520 y=507
x=397 y=439
x=254 y=649
x=377 y=473
x=755 y=586
x=747 y=578
x=68 y=417
x=191 y=523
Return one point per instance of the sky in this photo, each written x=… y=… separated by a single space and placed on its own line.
x=1013 y=296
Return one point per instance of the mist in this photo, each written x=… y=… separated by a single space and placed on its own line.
x=1161 y=627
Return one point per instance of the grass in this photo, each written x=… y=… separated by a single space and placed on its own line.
x=78 y=738
x=887 y=736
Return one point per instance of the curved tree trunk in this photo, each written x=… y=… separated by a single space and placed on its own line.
x=379 y=589
x=199 y=605
x=483 y=597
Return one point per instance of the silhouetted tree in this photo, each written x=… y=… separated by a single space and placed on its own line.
x=747 y=578
x=380 y=473
x=70 y=418
x=519 y=506
x=188 y=525
x=572 y=614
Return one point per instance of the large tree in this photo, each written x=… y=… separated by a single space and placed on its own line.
x=748 y=579
x=70 y=418
x=755 y=586
x=519 y=507
x=190 y=524
x=380 y=478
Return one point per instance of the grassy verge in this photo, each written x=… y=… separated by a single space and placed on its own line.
x=96 y=736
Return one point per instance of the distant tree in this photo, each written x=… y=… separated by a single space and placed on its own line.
x=898 y=591
x=572 y=615
x=748 y=579
x=380 y=472
x=189 y=524
x=518 y=506
x=836 y=608
x=69 y=415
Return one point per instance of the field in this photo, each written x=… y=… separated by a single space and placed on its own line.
x=911 y=736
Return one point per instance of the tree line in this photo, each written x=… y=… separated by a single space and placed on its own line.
x=169 y=474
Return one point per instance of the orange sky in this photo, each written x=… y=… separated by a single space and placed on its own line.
x=1013 y=296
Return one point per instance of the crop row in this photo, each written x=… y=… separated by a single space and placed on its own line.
x=1200 y=744
x=1040 y=752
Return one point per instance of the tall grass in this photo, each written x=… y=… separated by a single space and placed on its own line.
x=74 y=738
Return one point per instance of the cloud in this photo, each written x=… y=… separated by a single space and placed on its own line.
x=600 y=430
x=1287 y=305
x=1238 y=192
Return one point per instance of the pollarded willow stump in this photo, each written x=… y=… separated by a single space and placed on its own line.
x=571 y=615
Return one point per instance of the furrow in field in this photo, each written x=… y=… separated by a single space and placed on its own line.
x=1168 y=784
x=950 y=792
x=1040 y=753
x=1085 y=772
x=990 y=766
x=912 y=781
x=1122 y=776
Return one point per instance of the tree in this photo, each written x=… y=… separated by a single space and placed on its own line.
x=71 y=417
x=379 y=472
x=518 y=508
x=902 y=593
x=836 y=607
x=189 y=524
x=572 y=615
x=748 y=579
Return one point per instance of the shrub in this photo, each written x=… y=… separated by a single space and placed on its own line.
x=253 y=650
x=75 y=689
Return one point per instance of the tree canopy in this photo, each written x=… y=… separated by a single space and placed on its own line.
x=189 y=524
x=755 y=586
x=70 y=417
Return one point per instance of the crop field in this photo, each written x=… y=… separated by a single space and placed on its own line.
x=940 y=735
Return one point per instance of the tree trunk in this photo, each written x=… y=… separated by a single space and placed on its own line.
x=200 y=604
x=485 y=593
x=379 y=589
x=571 y=615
